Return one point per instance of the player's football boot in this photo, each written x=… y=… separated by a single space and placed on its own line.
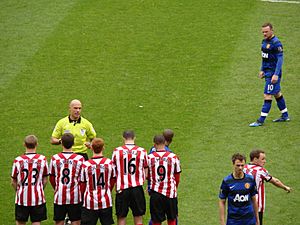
x=67 y=221
x=282 y=119
x=256 y=124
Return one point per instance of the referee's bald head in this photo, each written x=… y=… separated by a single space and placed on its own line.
x=74 y=102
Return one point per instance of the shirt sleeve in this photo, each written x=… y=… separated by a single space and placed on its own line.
x=177 y=165
x=51 y=168
x=91 y=133
x=113 y=174
x=279 y=55
x=14 y=172
x=81 y=168
x=253 y=189
x=57 y=132
x=146 y=164
x=46 y=169
x=82 y=174
x=223 y=190
x=265 y=175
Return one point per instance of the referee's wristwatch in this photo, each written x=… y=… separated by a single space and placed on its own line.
x=59 y=141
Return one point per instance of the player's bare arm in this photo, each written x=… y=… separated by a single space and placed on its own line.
x=45 y=180
x=279 y=184
x=14 y=183
x=222 y=206
x=55 y=141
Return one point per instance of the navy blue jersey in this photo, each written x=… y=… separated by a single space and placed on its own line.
x=272 y=56
x=239 y=193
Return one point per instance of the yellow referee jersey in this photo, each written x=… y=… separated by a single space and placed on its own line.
x=82 y=130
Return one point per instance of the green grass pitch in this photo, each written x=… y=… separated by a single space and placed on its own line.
x=191 y=64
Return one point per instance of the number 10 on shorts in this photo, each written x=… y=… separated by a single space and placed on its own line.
x=270 y=87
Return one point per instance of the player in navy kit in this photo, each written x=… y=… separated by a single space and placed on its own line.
x=240 y=190
x=272 y=59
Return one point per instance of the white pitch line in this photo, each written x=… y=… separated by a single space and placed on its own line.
x=282 y=1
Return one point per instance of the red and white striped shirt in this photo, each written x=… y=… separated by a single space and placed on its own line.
x=130 y=162
x=260 y=175
x=66 y=167
x=163 y=166
x=97 y=173
x=29 y=170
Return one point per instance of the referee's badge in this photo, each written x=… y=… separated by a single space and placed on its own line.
x=82 y=132
x=268 y=46
x=247 y=185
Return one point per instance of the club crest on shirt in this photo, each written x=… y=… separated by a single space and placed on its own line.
x=268 y=46
x=247 y=185
x=82 y=132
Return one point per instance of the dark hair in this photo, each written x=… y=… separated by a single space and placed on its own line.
x=237 y=156
x=159 y=139
x=268 y=25
x=30 y=141
x=67 y=140
x=97 y=145
x=168 y=134
x=255 y=154
x=128 y=134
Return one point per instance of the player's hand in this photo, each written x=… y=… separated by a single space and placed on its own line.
x=88 y=145
x=274 y=79
x=287 y=189
x=261 y=74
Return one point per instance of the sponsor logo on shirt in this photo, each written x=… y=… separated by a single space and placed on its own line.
x=241 y=198
x=264 y=55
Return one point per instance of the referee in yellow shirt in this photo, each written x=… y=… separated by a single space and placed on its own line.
x=75 y=124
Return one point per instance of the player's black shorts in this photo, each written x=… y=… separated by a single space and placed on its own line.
x=37 y=213
x=160 y=206
x=133 y=198
x=90 y=217
x=73 y=211
x=85 y=155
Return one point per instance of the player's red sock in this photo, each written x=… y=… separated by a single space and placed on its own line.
x=172 y=222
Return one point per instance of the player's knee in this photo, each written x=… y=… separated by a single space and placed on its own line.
x=267 y=97
x=278 y=95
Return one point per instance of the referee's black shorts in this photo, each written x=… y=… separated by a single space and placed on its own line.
x=160 y=206
x=133 y=198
